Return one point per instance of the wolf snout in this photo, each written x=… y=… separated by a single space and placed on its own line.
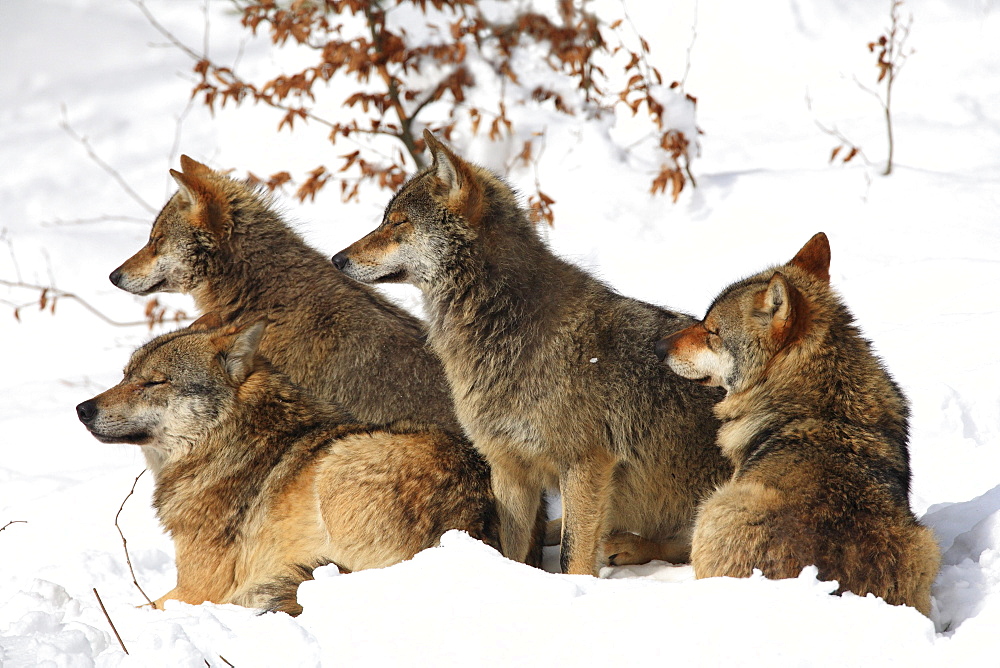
x=87 y=411
x=115 y=278
x=340 y=260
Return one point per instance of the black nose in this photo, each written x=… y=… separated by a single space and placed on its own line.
x=340 y=260
x=115 y=276
x=87 y=411
x=661 y=348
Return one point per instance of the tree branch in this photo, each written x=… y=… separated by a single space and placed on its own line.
x=64 y=124
x=125 y=543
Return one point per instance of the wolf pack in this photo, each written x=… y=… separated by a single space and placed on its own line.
x=305 y=420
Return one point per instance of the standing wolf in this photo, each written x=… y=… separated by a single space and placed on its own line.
x=257 y=482
x=817 y=431
x=221 y=241
x=552 y=372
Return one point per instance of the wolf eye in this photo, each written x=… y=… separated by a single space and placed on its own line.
x=712 y=339
x=153 y=383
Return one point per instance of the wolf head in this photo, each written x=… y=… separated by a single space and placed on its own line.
x=750 y=322
x=435 y=215
x=185 y=235
x=175 y=389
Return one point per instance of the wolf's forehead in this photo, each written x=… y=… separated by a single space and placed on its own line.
x=730 y=298
x=173 y=349
x=406 y=190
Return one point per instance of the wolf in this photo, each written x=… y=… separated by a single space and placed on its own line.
x=257 y=482
x=817 y=432
x=222 y=241
x=552 y=372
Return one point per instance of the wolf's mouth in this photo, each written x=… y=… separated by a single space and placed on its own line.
x=151 y=290
x=135 y=438
x=398 y=276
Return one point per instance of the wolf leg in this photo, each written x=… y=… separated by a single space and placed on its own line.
x=518 y=495
x=586 y=491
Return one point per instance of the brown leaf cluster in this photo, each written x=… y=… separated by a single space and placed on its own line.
x=397 y=78
x=155 y=313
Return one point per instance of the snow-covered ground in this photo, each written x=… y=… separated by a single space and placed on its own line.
x=916 y=256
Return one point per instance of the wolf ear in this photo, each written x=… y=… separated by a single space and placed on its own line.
x=777 y=306
x=184 y=187
x=193 y=167
x=205 y=197
x=208 y=321
x=464 y=193
x=239 y=349
x=814 y=257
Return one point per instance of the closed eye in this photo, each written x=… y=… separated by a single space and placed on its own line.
x=153 y=383
x=712 y=340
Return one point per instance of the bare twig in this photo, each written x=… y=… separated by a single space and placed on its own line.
x=10 y=247
x=125 y=543
x=891 y=56
x=854 y=151
x=163 y=31
x=64 y=124
x=12 y=522
x=50 y=294
x=175 y=148
x=111 y=623
x=687 y=58
x=58 y=222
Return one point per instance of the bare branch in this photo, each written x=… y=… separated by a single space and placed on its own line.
x=12 y=522
x=52 y=294
x=58 y=222
x=687 y=63
x=125 y=543
x=163 y=31
x=108 y=617
x=10 y=247
x=64 y=124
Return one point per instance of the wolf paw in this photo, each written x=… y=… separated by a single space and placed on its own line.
x=623 y=549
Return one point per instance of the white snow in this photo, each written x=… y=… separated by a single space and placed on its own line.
x=916 y=256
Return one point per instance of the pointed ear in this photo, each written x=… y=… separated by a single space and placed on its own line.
x=814 y=258
x=444 y=162
x=207 y=198
x=183 y=187
x=239 y=350
x=210 y=320
x=778 y=300
x=464 y=192
x=193 y=167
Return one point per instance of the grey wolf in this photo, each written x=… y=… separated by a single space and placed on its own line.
x=817 y=432
x=552 y=372
x=222 y=241
x=257 y=482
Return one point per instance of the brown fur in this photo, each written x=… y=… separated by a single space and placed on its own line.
x=552 y=372
x=817 y=431
x=257 y=482
x=222 y=241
